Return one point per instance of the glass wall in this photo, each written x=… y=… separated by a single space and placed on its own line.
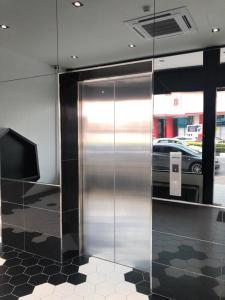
x=219 y=178
x=178 y=127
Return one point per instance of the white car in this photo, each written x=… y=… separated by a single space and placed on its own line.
x=186 y=138
x=177 y=141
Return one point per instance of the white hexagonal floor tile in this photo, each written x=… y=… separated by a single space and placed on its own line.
x=73 y=297
x=94 y=297
x=115 y=277
x=87 y=269
x=51 y=297
x=44 y=290
x=95 y=260
x=122 y=269
x=64 y=289
x=137 y=296
x=125 y=288
x=30 y=297
x=96 y=278
x=105 y=268
x=105 y=289
x=85 y=289
x=116 y=297
x=2 y=261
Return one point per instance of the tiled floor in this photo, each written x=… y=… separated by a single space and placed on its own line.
x=29 y=277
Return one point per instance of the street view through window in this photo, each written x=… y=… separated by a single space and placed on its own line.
x=178 y=127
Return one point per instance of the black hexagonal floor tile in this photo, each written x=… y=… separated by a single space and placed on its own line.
x=77 y=278
x=133 y=277
x=6 y=289
x=33 y=270
x=44 y=262
x=19 y=279
x=15 y=270
x=23 y=290
x=25 y=255
x=4 y=278
x=51 y=269
x=157 y=297
x=57 y=279
x=6 y=248
x=38 y=279
x=70 y=269
x=10 y=254
x=29 y=262
x=80 y=260
x=3 y=269
x=12 y=262
x=9 y=297
x=143 y=287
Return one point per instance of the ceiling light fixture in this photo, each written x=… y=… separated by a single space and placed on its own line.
x=74 y=56
x=131 y=46
x=4 y=26
x=77 y=4
x=216 y=29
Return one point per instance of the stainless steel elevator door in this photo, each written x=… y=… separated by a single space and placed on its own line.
x=133 y=171
x=116 y=119
x=97 y=105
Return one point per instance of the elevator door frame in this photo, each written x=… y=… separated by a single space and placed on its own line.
x=80 y=144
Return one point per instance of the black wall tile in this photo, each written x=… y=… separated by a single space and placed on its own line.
x=70 y=226
x=13 y=236
x=70 y=198
x=199 y=222
x=42 y=196
x=69 y=131
x=43 y=245
x=182 y=285
x=41 y=220
x=192 y=255
x=12 y=191
x=12 y=214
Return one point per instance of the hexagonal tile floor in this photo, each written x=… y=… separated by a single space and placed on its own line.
x=29 y=277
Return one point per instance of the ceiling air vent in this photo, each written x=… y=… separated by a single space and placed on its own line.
x=163 y=24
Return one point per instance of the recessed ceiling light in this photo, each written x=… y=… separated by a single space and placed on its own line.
x=77 y=4
x=216 y=29
x=74 y=56
x=131 y=46
x=4 y=26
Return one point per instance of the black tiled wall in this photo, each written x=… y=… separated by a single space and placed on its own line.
x=31 y=217
x=188 y=251
x=69 y=163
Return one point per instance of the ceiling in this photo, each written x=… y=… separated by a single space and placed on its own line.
x=48 y=32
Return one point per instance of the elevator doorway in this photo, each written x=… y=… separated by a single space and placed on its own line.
x=115 y=168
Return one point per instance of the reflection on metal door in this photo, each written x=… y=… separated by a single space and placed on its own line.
x=116 y=117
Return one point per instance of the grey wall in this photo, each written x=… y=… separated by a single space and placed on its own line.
x=29 y=106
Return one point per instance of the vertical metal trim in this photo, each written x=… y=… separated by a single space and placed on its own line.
x=80 y=165
x=60 y=166
x=114 y=166
x=211 y=62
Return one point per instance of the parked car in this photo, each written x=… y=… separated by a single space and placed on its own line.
x=177 y=141
x=186 y=138
x=191 y=159
x=170 y=141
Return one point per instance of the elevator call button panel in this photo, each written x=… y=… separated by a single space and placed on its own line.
x=175 y=173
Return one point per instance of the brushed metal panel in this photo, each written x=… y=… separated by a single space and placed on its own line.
x=133 y=117
x=98 y=168
x=116 y=166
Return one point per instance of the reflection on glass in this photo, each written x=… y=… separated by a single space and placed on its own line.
x=178 y=127
x=219 y=182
